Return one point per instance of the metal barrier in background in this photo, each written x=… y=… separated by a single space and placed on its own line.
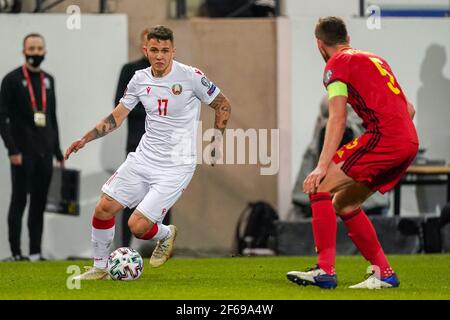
x=45 y=5
x=180 y=9
x=410 y=10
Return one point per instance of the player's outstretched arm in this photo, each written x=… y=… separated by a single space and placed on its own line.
x=107 y=125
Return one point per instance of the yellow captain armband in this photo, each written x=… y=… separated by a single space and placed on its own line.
x=337 y=88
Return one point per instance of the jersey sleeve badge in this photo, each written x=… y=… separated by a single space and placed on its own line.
x=327 y=76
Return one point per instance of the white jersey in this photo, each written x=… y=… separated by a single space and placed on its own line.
x=172 y=104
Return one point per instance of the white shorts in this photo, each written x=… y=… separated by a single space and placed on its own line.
x=152 y=191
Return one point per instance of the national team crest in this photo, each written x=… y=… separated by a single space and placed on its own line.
x=177 y=89
x=327 y=76
x=206 y=82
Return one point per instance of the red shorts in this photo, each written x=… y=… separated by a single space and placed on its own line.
x=375 y=161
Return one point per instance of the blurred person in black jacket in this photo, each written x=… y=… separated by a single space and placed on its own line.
x=136 y=123
x=239 y=8
x=29 y=129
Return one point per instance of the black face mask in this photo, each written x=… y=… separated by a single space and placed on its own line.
x=35 y=60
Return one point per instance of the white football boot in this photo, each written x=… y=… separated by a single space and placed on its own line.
x=163 y=250
x=373 y=282
x=93 y=273
x=313 y=276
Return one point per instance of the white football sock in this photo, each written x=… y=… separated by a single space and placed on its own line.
x=101 y=245
x=163 y=232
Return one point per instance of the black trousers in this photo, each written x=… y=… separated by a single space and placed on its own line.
x=32 y=177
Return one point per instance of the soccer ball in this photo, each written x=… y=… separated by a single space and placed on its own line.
x=125 y=264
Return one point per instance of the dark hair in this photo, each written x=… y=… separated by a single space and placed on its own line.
x=32 y=35
x=160 y=33
x=331 y=30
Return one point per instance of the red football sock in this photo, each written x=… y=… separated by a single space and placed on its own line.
x=324 y=229
x=364 y=236
x=103 y=224
x=150 y=233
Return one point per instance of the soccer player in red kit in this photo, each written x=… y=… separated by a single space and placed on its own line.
x=375 y=161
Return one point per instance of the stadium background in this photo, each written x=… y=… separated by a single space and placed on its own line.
x=268 y=67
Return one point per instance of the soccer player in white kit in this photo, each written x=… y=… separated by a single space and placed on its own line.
x=154 y=177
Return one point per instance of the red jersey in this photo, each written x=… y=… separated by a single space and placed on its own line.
x=373 y=92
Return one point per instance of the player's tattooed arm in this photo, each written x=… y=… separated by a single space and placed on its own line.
x=223 y=111
x=107 y=125
x=102 y=128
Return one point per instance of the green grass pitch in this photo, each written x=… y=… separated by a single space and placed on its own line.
x=240 y=278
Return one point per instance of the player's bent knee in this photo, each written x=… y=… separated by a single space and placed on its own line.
x=337 y=206
x=344 y=209
x=335 y=180
x=137 y=228
x=104 y=211
x=324 y=188
x=350 y=199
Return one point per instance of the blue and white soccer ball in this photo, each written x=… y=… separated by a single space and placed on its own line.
x=125 y=264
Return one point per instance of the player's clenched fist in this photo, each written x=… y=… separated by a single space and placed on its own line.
x=74 y=147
